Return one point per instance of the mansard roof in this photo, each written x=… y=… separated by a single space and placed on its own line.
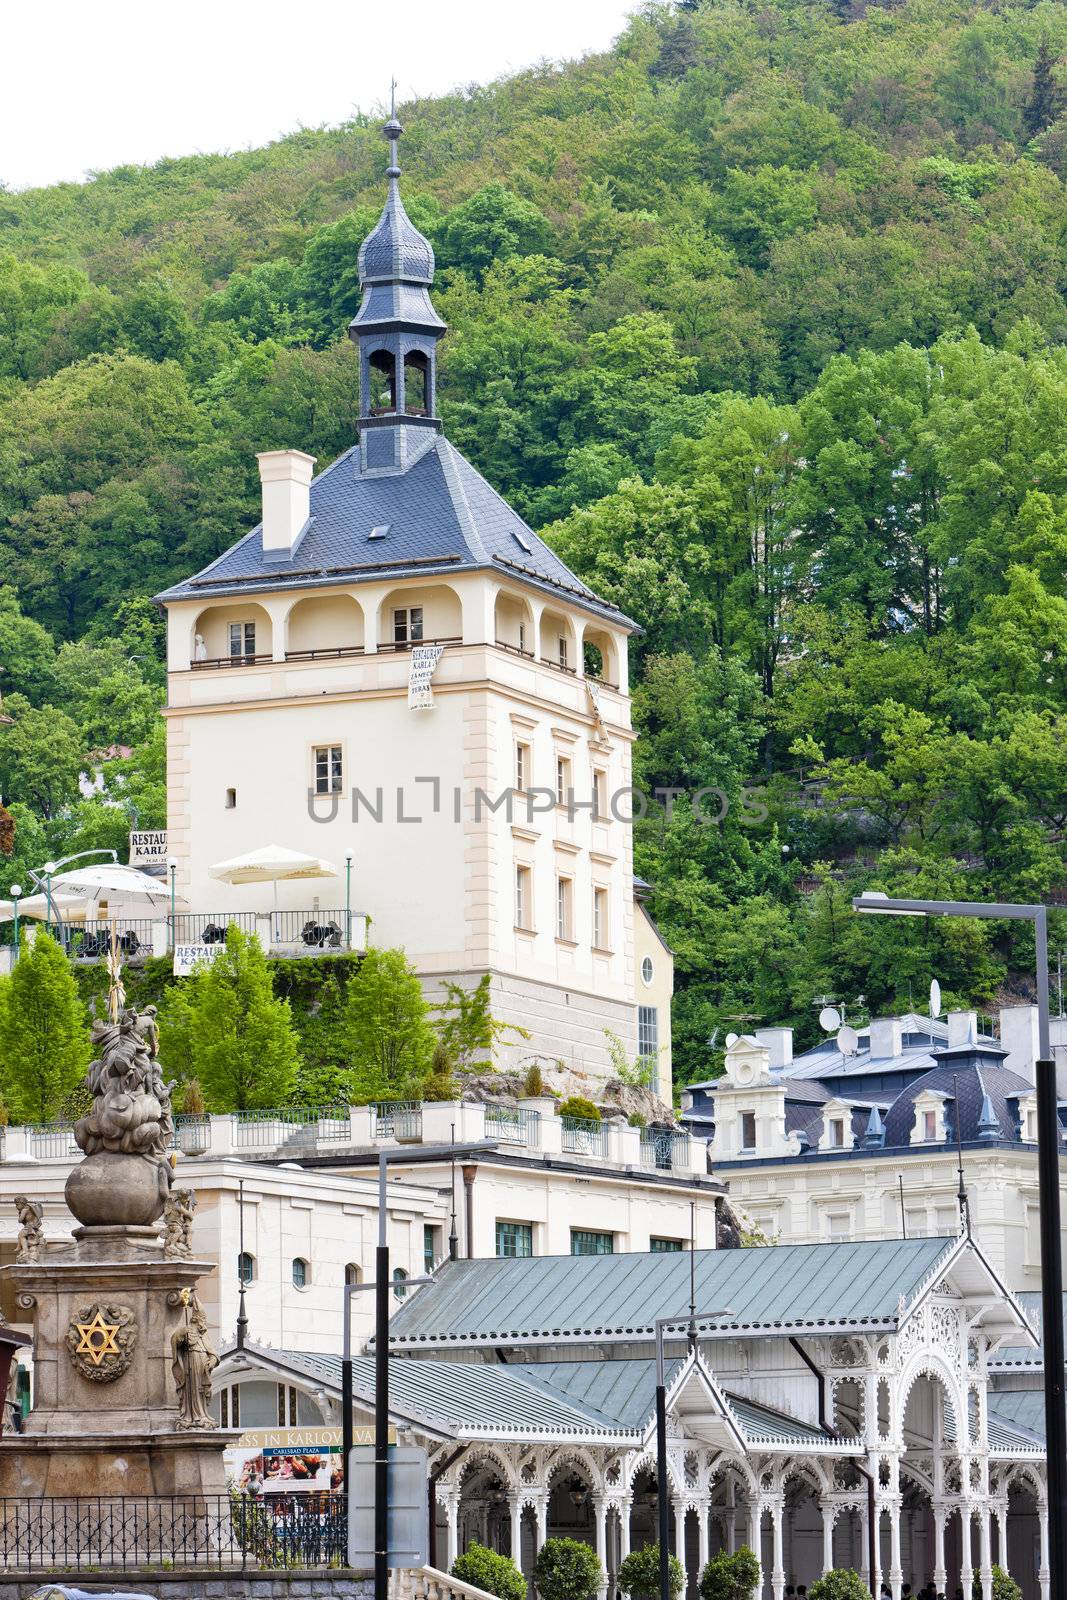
x=783 y=1288
x=435 y=517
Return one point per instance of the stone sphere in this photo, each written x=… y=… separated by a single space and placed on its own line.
x=109 y=1189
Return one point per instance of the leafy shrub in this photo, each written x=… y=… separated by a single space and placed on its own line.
x=566 y=1569
x=441 y=1083
x=731 y=1577
x=1004 y=1587
x=578 y=1106
x=839 y=1585
x=534 y=1085
x=486 y=1570
x=639 y=1574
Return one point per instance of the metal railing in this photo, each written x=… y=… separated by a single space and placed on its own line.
x=513 y=1125
x=663 y=1150
x=209 y=927
x=415 y=644
x=91 y=941
x=325 y=655
x=129 y=1532
x=581 y=1136
x=230 y=661
x=52 y=1141
x=397 y=1119
x=276 y=1129
x=192 y=1134
x=310 y=930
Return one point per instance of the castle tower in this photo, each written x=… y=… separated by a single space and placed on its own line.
x=393 y=663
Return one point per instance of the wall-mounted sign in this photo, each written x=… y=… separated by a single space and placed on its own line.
x=283 y=1460
x=188 y=956
x=148 y=847
x=424 y=659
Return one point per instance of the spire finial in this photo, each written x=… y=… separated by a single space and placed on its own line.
x=392 y=132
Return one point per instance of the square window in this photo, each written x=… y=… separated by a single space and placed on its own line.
x=601 y=925
x=328 y=769
x=838 y=1224
x=648 y=1036
x=514 y=1239
x=586 y=1243
x=748 y=1130
x=242 y=639
x=665 y=1246
x=407 y=624
x=564 y=922
x=523 y=905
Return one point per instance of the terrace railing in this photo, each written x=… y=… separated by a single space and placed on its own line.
x=290 y=1125
x=91 y=941
x=513 y=1125
x=126 y=1533
x=52 y=1141
x=663 y=1150
x=397 y=1119
x=581 y=1136
x=309 y=930
x=209 y=927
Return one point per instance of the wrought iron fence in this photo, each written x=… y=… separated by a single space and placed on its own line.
x=52 y=1141
x=397 y=1119
x=513 y=1125
x=92 y=941
x=209 y=927
x=290 y=1125
x=172 y=1531
x=581 y=1136
x=192 y=1134
x=663 y=1150
x=310 y=930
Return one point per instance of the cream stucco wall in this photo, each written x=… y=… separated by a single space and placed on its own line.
x=649 y=945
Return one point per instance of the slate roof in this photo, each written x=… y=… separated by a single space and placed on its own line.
x=974 y=1082
x=1017 y=1419
x=785 y=1287
x=440 y=517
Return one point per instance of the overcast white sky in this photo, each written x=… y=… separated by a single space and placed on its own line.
x=94 y=83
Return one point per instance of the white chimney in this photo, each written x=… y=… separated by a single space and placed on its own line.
x=962 y=1028
x=887 y=1038
x=1018 y=1035
x=286 y=479
x=779 y=1043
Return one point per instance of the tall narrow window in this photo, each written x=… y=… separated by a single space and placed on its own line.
x=837 y=1133
x=564 y=922
x=523 y=906
x=522 y=767
x=242 y=640
x=601 y=936
x=563 y=781
x=407 y=624
x=930 y=1126
x=416 y=384
x=563 y=651
x=522 y=638
x=600 y=793
x=647 y=1031
x=748 y=1130
x=382 y=382
x=328 y=769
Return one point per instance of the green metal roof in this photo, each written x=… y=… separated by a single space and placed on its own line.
x=1027 y=1356
x=763 y=1425
x=1017 y=1418
x=464 y=1397
x=791 y=1288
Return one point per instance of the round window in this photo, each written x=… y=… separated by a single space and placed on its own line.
x=647 y=969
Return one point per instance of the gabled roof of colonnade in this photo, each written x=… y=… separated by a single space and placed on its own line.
x=436 y=517
x=862 y=1287
x=579 y=1402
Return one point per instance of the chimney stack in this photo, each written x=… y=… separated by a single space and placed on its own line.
x=1018 y=1035
x=962 y=1028
x=779 y=1042
x=286 y=479
x=887 y=1038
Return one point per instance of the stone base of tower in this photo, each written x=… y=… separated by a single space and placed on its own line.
x=104 y=1465
x=567 y=1027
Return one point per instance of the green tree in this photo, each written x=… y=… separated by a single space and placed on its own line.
x=492 y=225
x=730 y=1577
x=386 y=1027
x=44 y=1034
x=225 y=1027
x=27 y=650
x=42 y=755
x=638 y=1576
x=493 y=1573
x=566 y=1569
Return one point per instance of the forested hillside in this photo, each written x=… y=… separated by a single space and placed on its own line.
x=761 y=315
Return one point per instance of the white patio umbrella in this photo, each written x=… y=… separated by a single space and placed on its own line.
x=109 y=880
x=272 y=864
x=69 y=907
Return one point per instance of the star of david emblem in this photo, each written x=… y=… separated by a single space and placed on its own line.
x=97 y=1339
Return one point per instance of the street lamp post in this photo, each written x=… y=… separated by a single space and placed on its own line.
x=49 y=869
x=1048 y=1176
x=689 y=1319
x=348 y=899
x=16 y=895
x=172 y=871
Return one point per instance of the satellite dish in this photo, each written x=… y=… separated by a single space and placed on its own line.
x=829 y=1019
x=935 y=998
x=731 y=1039
x=848 y=1041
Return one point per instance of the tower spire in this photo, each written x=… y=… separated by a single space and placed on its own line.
x=396 y=328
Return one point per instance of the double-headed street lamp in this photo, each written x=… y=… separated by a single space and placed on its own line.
x=1048 y=1174
x=16 y=895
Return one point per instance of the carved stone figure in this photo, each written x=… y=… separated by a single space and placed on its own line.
x=178 y=1212
x=192 y=1365
x=31 y=1231
x=126 y=1176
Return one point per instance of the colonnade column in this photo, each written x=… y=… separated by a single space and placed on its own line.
x=777 y=1508
x=966 y=1559
x=515 y=1518
x=755 y=1537
x=703 y=1542
x=600 y=1522
x=940 y=1575
x=625 y=1507
x=541 y=1511
x=827 y=1509
x=451 y=1530
x=896 y=1572
x=1043 y=1572
x=985 y=1554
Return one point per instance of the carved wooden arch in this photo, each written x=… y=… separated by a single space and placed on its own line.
x=644 y=1462
x=928 y=1364
x=479 y=1457
x=740 y=1468
x=572 y=1456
